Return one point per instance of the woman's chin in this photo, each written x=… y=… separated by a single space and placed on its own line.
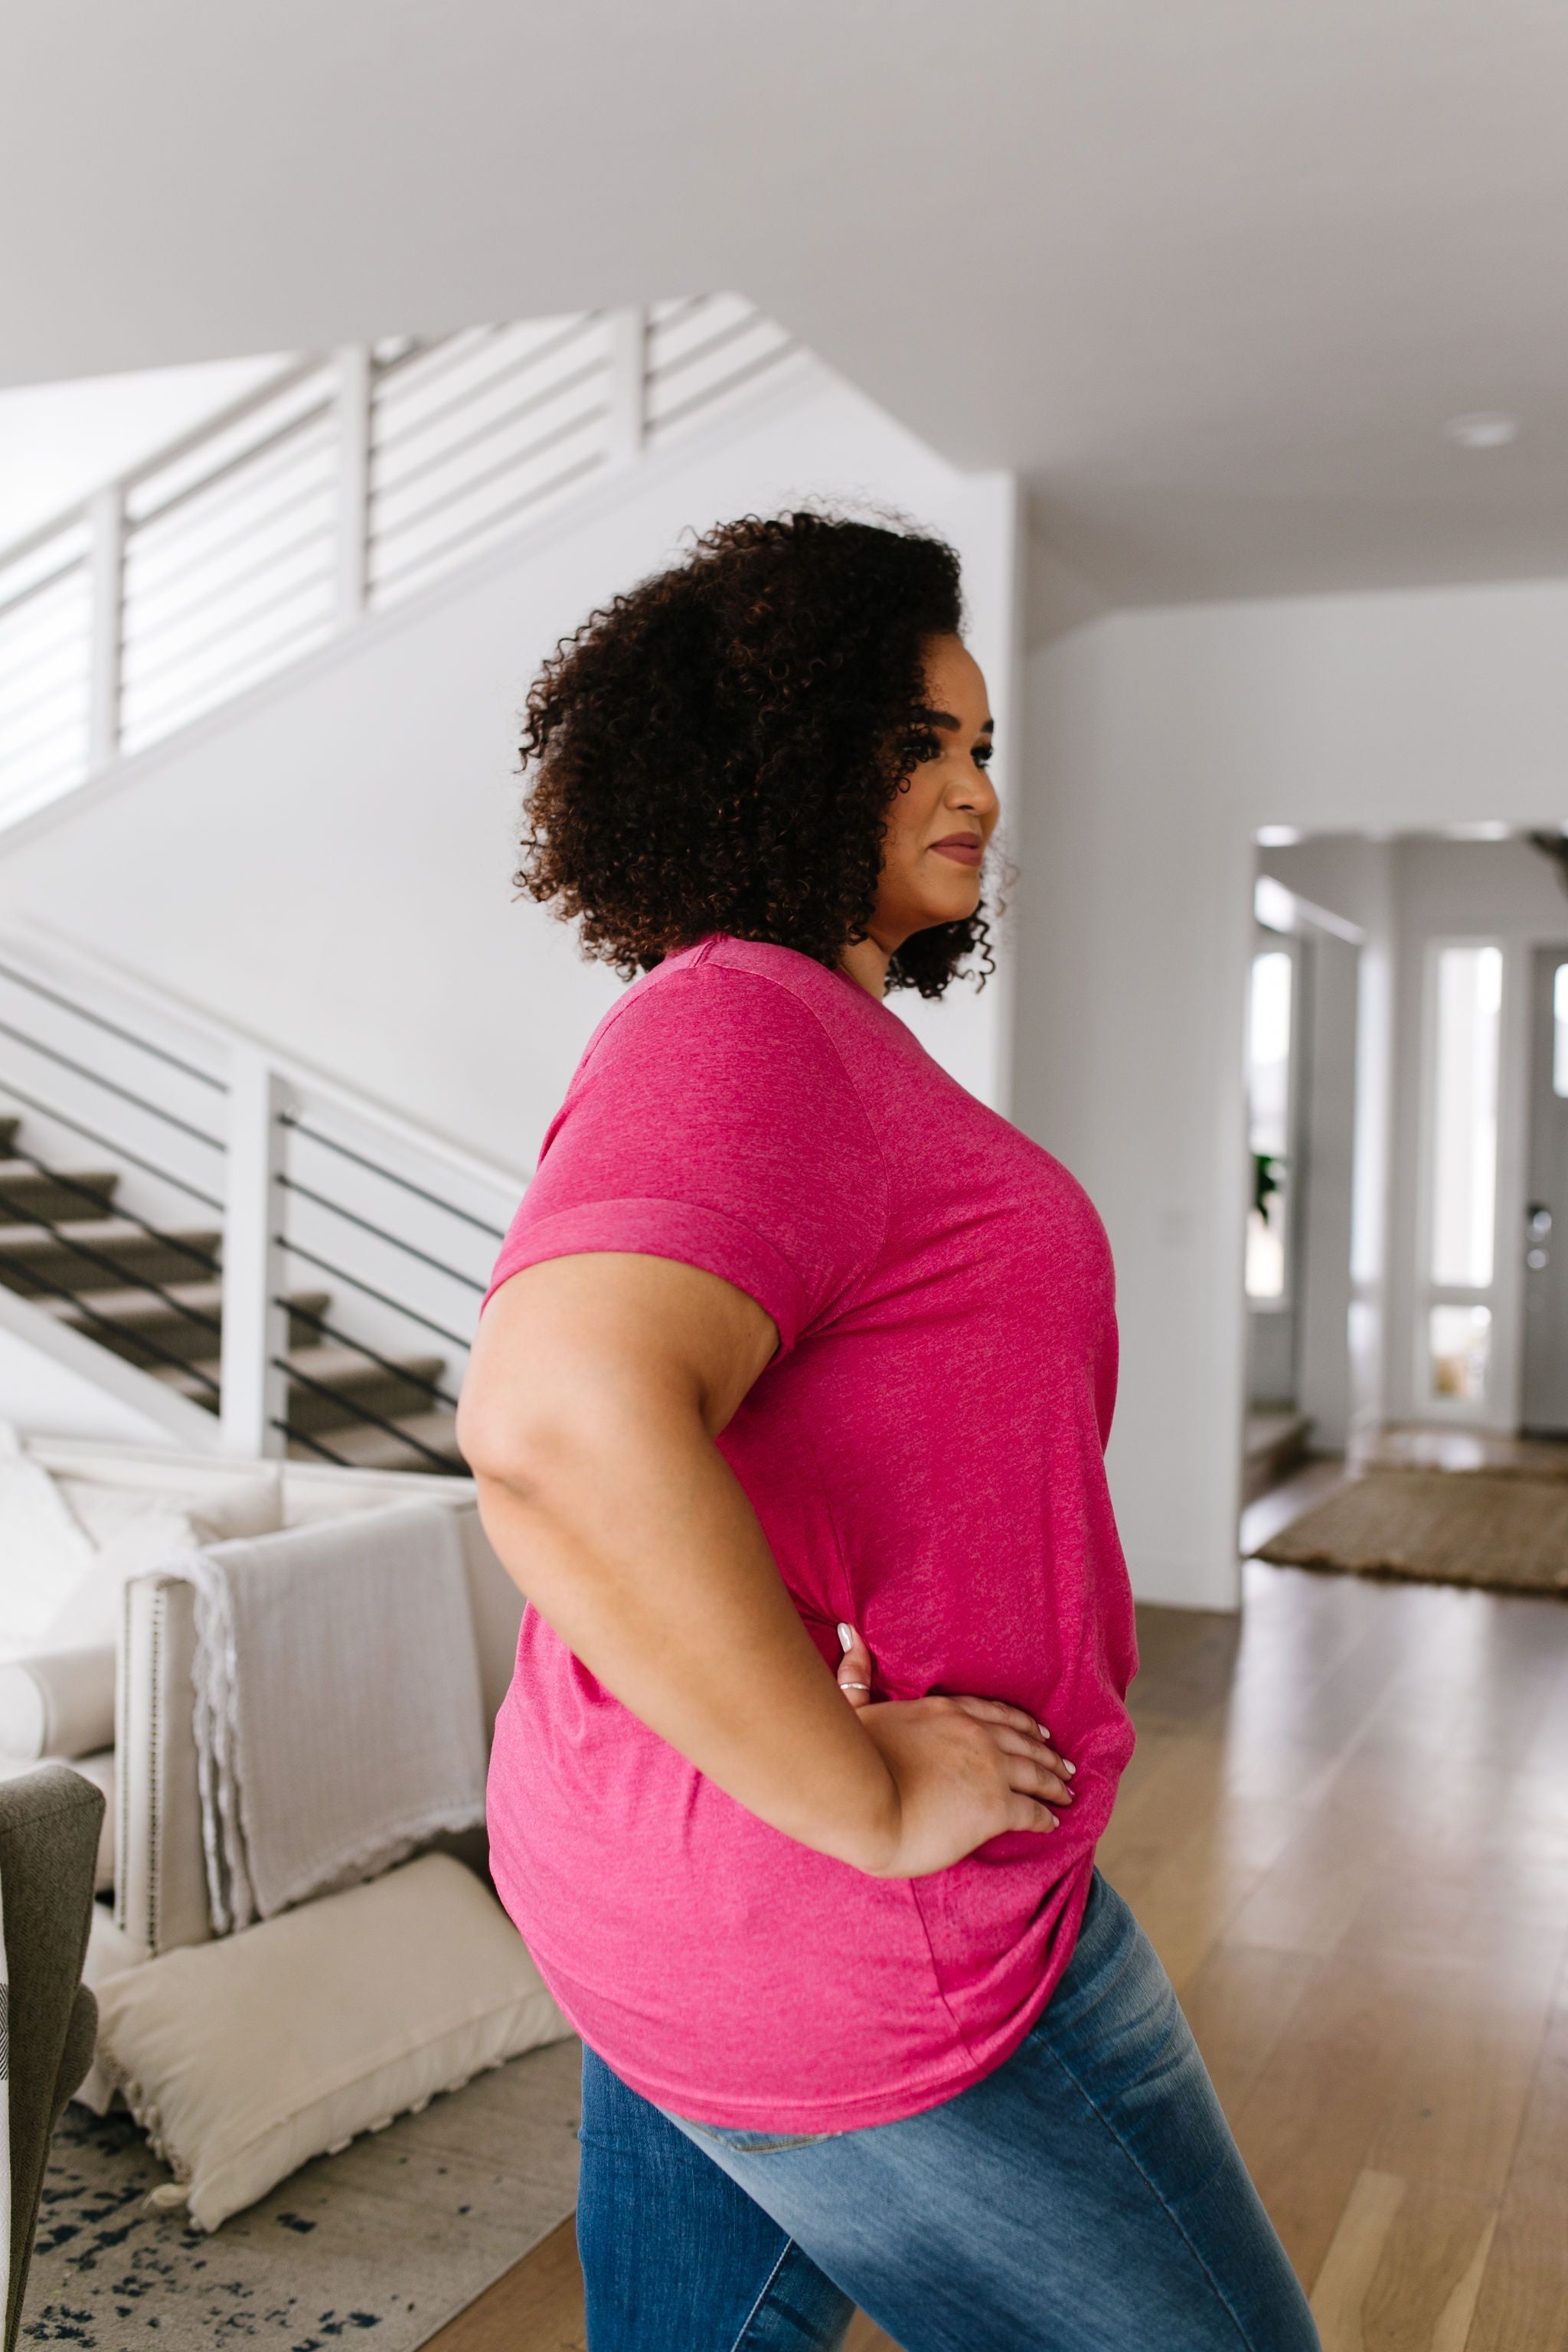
x=952 y=901
x=953 y=906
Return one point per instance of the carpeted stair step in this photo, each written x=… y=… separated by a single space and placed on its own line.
x=369 y=1448
x=57 y=1263
x=142 y=1315
x=351 y=1379
x=28 y=1193
x=355 y=1380
x=1276 y=1443
x=91 y=1274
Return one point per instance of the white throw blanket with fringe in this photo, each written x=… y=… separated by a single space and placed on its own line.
x=339 y=1720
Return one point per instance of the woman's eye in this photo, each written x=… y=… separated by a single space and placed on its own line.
x=982 y=755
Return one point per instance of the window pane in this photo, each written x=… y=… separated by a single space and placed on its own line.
x=1464 y=1129
x=1560 y=1031
x=1460 y=1346
x=1268 y=1111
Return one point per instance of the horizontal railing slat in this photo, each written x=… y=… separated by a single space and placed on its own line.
x=255 y=598
x=17 y=594
x=59 y=674
x=429 y=361
x=213 y=539
x=157 y=497
x=146 y=725
x=51 y=737
x=490 y=452
x=466 y=542
x=399 y=422
x=155 y=570
x=710 y=395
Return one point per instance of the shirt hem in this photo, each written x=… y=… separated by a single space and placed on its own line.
x=850 y=2115
x=841 y=2115
x=685 y=1232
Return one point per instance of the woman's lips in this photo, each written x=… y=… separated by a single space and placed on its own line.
x=964 y=848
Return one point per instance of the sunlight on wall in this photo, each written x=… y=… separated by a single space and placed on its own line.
x=59 y=441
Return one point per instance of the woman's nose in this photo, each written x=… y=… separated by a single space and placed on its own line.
x=975 y=790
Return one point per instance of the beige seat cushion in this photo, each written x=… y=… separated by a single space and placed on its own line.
x=243 y=2058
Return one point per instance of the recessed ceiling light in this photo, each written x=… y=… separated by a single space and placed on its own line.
x=1276 y=836
x=1483 y=428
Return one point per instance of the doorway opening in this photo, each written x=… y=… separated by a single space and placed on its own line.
x=1406 y=1242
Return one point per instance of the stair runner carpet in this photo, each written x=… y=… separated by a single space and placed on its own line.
x=385 y=2243
x=62 y=1248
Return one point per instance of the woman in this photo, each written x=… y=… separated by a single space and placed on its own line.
x=798 y=1363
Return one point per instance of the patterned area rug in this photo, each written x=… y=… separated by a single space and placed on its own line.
x=381 y=2244
x=1504 y=1529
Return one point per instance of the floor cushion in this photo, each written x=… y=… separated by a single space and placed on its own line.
x=243 y=2058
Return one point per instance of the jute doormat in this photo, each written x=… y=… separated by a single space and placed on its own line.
x=383 y=2244
x=1500 y=1528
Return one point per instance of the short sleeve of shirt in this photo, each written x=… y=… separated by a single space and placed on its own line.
x=712 y=1121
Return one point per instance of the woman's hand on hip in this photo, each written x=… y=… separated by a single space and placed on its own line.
x=964 y=1770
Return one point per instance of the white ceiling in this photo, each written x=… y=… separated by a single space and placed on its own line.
x=1211 y=273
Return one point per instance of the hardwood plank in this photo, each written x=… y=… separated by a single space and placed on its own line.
x=1404 y=2269
x=1307 y=1899
x=1339 y=2298
x=865 y=2335
x=1455 y=2111
x=1186 y=1661
x=1240 y=2004
x=1540 y=2156
x=1523 y=2300
x=1346 y=1830
x=536 y=2306
x=1306 y=2127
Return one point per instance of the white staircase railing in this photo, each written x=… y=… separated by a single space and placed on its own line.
x=255 y=1258
x=343 y=486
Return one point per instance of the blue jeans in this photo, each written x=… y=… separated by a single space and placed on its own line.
x=1085 y=2197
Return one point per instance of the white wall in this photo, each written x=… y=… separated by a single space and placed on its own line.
x=328 y=863
x=1159 y=741
x=46 y=1399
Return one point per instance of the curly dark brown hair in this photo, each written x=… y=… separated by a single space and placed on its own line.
x=717 y=749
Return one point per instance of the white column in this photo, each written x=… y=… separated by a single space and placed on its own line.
x=254 y=1327
x=628 y=362
x=106 y=561
x=354 y=366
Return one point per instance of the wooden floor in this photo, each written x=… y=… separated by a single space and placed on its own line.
x=1346 y=1830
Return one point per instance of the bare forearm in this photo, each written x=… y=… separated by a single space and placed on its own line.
x=639 y=1546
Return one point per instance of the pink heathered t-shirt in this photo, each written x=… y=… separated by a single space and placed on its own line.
x=925 y=1455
